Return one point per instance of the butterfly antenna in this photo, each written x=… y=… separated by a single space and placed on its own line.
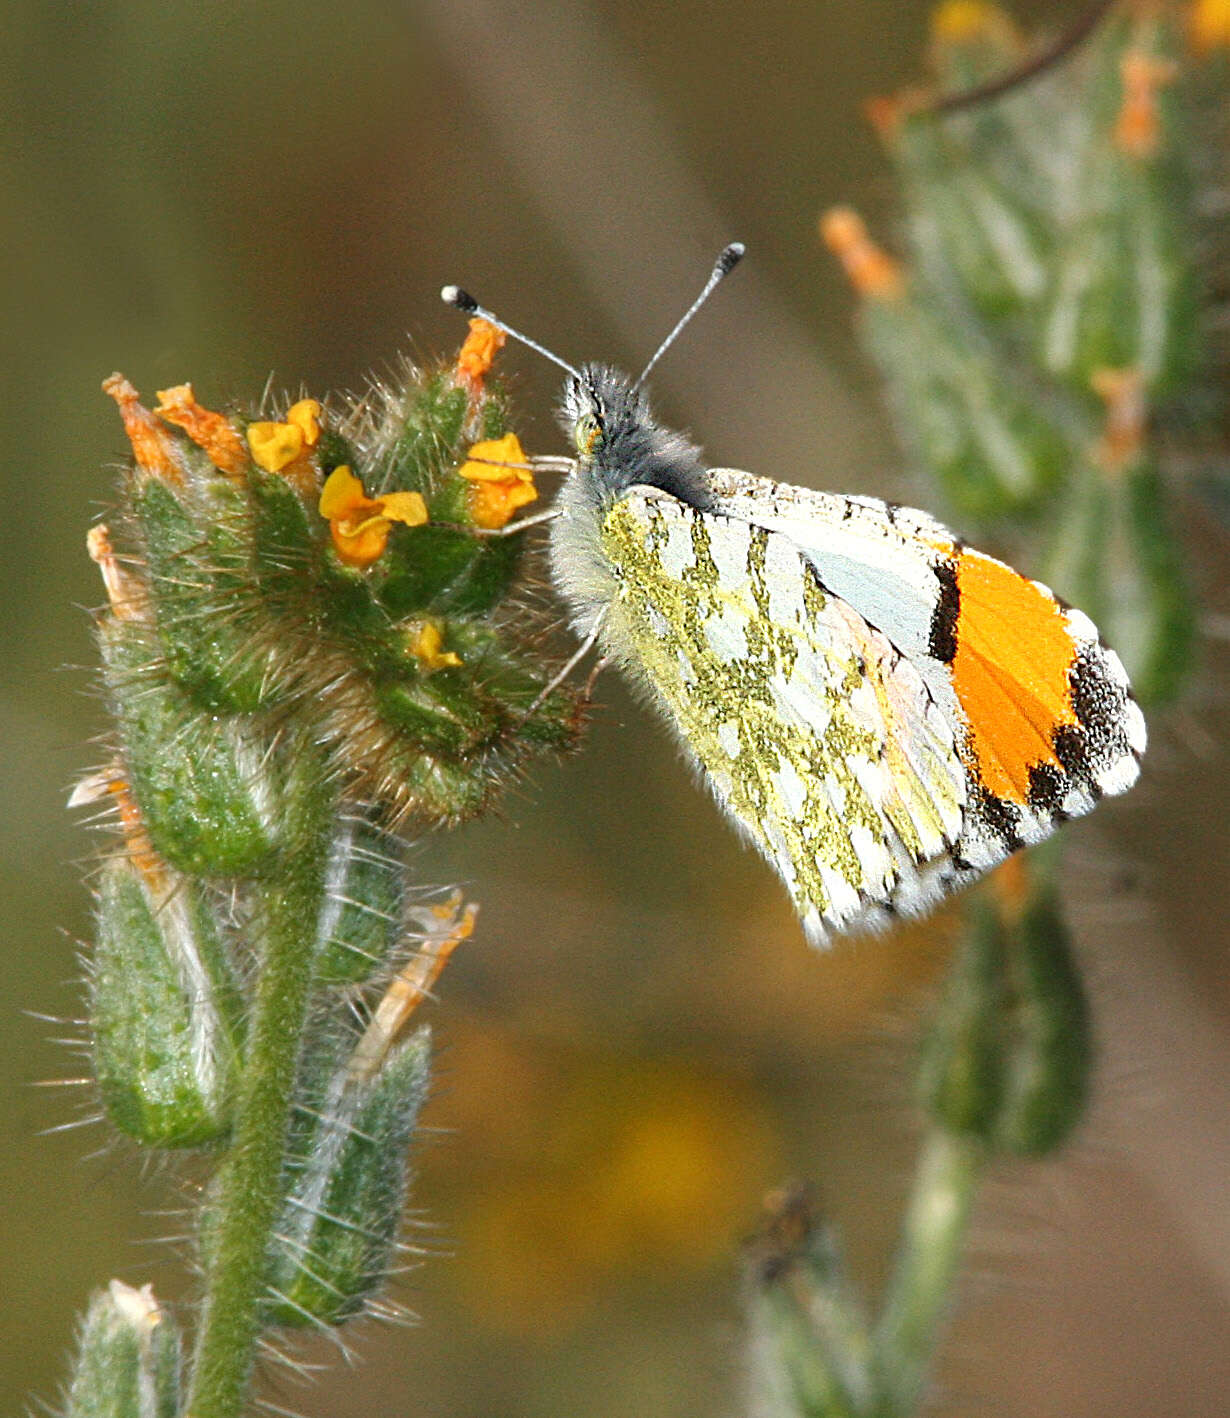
x=463 y=300
x=723 y=266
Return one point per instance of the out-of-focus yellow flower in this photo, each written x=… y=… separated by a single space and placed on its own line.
x=959 y=21
x=501 y=478
x=360 y=524
x=276 y=445
x=1208 y=23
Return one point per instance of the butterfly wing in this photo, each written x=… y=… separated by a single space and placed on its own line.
x=1041 y=711
x=818 y=736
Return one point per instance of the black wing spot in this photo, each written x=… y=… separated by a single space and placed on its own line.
x=1047 y=789
x=1001 y=817
x=942 y=644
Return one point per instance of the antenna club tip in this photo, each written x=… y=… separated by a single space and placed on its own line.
x=730 y=257
x=463 y=300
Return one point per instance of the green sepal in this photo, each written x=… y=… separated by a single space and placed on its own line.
x=361 y=916
x=961 y=1076
x=333 y=451
x=165 y=1008
x=431 y=789
x=345 y=1177
x=435 y=569
x=128 y=1358
x=1116 y=556
x=197 y=553
x=288 y=539
x=439 y=713
x=429 y=436
x=1049 y=1056
x=204 y=785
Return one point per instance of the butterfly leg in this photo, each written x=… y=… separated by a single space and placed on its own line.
x=513 y=527
x=586 y=646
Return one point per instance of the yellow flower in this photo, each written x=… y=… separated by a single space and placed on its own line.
x=360 y=524
x=425 y=642
x=962 y=21
x=501 y=479
x=276 y=445
x=1209 y=25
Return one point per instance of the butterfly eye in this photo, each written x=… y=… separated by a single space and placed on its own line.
x=587 y=433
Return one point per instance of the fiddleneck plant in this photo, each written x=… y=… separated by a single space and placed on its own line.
x=309 y=647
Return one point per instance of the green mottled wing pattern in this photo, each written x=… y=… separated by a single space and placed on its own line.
x=815 y=735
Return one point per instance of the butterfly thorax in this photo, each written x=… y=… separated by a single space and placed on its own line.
x=618 y=446
x=608 y=419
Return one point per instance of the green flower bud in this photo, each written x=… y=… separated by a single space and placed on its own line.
x=211 y=793
x=346 y=1179
x=1008 y=1056
x=198 y=559
x=164 y=1006
x=128 y=1358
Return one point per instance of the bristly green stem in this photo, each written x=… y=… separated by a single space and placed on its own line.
x=250 y=1191
x=920 y=1290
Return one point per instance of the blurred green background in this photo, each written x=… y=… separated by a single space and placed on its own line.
x=637 y=1043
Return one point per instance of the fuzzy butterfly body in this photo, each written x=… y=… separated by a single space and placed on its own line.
x=883 y=711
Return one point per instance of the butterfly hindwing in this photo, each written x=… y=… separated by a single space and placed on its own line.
x=816 y=734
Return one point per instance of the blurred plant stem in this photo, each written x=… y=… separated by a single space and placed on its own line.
x=920 y=1290
x=1049 y=313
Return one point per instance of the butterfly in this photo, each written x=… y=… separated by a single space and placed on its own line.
x=884 y=712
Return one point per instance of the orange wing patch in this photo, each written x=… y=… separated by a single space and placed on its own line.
x=1010 y=672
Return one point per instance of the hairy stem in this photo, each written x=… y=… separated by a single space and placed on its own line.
x=250 y=1191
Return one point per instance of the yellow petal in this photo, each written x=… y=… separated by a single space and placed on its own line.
x=305 y=416
x=274 y=445
x=488 y=461
x=492 y=504
x=362 y=544
x=406 y=507
x=342 y=494
x=425 y=643
x=1209 y=25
